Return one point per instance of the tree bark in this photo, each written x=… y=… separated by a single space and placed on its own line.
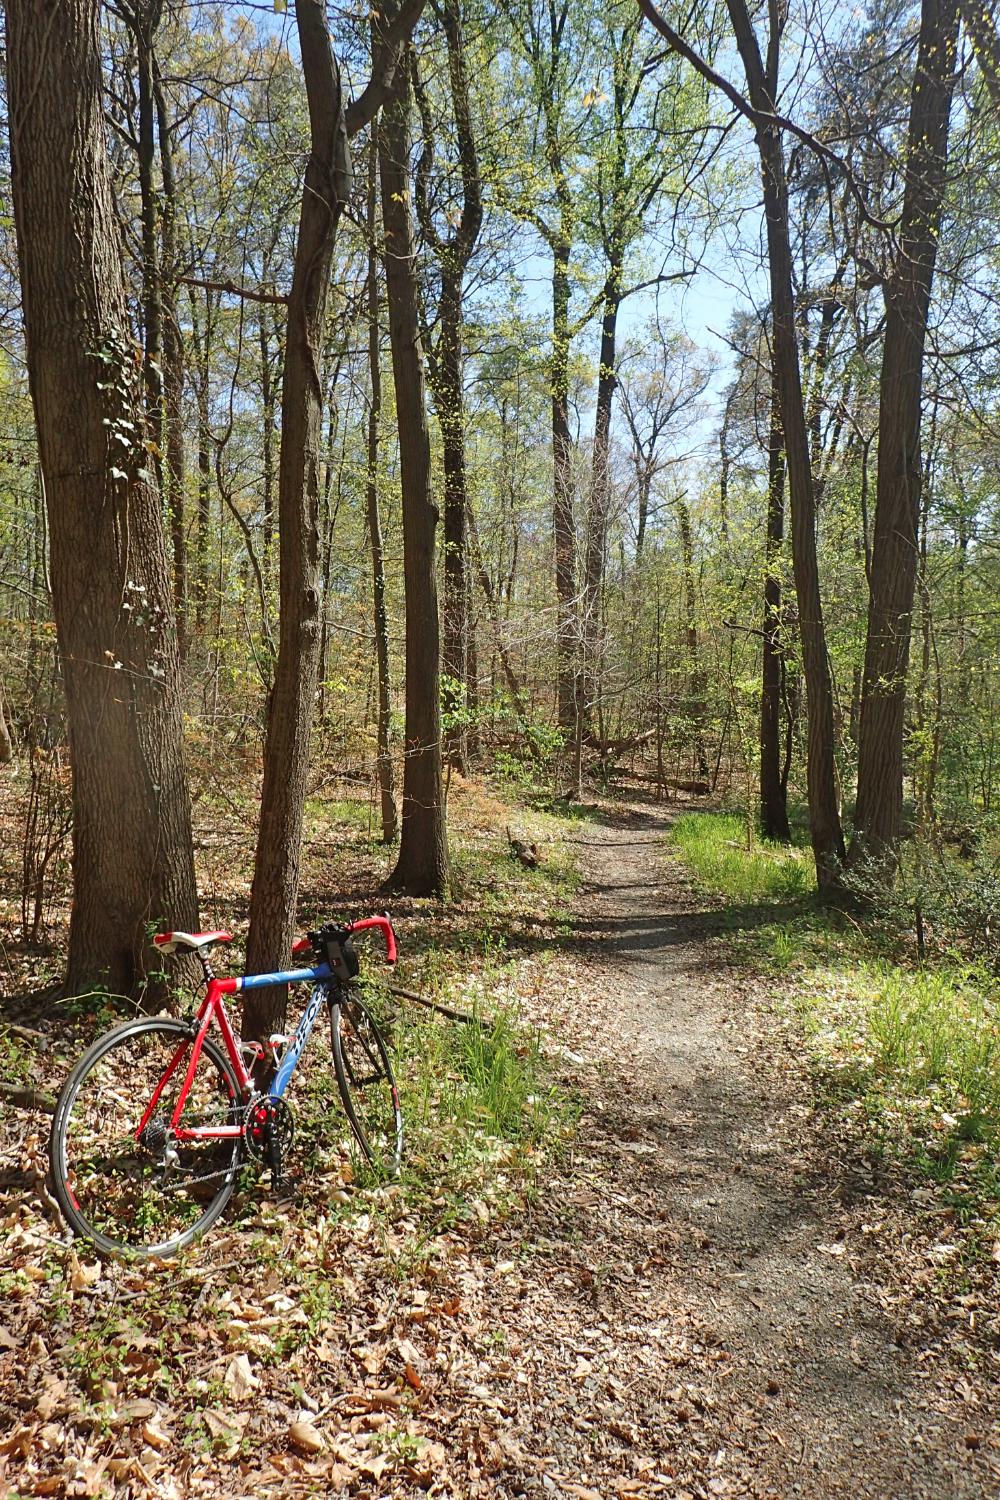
x=824 y=813
x=384 y=767
x=132 y=854
x=773 y=797
x=173 y=367
x=422 y=867
x=290 y=708
x=445 y=368
x=600 y=493
x=897 y=497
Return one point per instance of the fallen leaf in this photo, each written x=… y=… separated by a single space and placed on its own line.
x=306 y=1437
x=409 y=1352
x=82 y=1276
x=239 y=1381
x=225 y=1430
x=413 y=1379
x=134 y=1411
x=154 y=1435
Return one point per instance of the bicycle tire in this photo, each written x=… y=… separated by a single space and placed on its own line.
x=114 y=1190
x=367 y=1085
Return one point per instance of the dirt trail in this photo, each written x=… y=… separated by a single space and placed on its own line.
x=694 y=1325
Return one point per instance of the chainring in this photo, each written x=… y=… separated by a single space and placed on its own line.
x=265 y=1119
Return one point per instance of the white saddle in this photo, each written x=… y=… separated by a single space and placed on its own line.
x=191 y=942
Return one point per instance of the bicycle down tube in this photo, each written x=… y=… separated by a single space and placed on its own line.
x=213 y=1005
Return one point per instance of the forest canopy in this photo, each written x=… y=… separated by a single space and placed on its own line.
x=565 y=392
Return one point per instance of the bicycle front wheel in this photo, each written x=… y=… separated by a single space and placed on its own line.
x=367 y=1086
x=121 y=1177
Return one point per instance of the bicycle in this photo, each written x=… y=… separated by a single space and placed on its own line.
x=155 y=1122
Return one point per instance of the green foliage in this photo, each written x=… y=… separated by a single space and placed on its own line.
x=908 y=1053
x=919 y=1052
x=933 y=899
x=714 y=845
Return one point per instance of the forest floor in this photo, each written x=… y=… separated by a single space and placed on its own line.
x=710 y=1291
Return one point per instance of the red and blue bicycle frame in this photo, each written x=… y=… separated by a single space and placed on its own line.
x=325 y=983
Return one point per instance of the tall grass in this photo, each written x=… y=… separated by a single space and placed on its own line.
x=714 y=846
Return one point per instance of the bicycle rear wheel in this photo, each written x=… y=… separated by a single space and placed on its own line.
x=367 y=1085
x=121 y=1179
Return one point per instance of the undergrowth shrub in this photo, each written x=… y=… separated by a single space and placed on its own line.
x=934 y=901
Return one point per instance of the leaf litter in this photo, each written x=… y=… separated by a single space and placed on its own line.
x=591 y=1317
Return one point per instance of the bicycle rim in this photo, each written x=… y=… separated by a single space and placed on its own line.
x=367 y=1086
x=120 y=1179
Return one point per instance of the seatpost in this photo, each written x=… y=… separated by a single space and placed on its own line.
x=207 y=967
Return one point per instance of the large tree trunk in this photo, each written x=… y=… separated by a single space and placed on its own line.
x=773 y=797
x=821 y=780
x=422 y=867
x=384 y=767
x=290 y=708
x=173 y=369
x=563 y=530
x=897 y=504
x=132 y=856
x=600 y=493
x=446 y=369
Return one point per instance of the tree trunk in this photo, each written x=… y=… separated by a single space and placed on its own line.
x=173 y=370
x=563 y=531
x=446 y=369
x=773 y=795
x=600 y=493
x=824 y=812
x=696 y=680
x=982 y=29
x=897 y=497
x=290 y=708
x=132 y=855
x=422 y=867
x=6 y=742
x=384 y=767
x=202 y=339
x=450 y=402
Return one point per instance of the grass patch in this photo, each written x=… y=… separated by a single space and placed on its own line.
x=919 y=1051
x=909 y=1053
x=714 y=846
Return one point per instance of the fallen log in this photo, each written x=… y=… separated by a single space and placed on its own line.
x=675 y=783
x=444 y=1010
x=28 y=1098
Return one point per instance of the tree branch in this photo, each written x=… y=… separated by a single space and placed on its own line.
x=248 y=293
x=362 y=110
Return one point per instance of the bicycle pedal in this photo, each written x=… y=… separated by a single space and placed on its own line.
x=287 y=1189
